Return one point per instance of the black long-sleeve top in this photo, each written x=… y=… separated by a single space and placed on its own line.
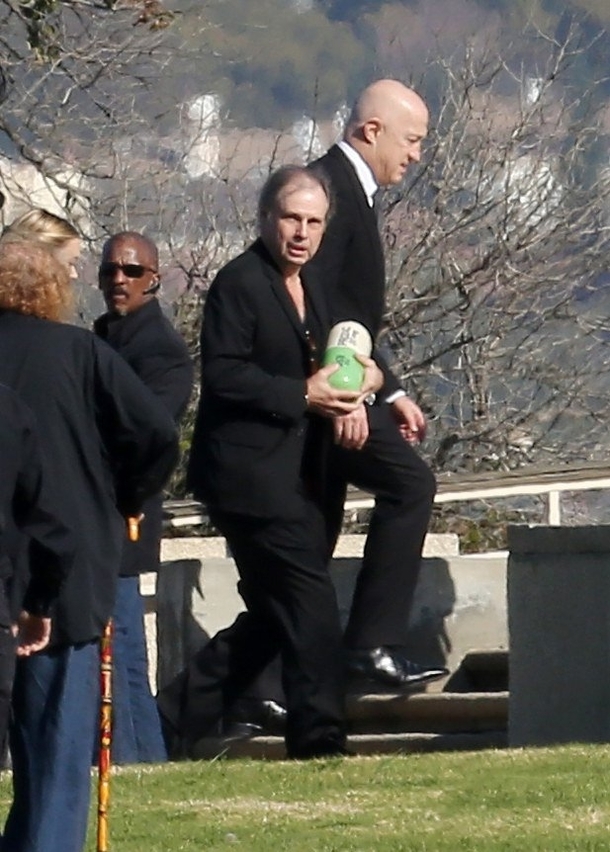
x=107 y=445
x=26 y=506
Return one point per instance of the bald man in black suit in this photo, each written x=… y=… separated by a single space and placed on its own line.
x=375 y=444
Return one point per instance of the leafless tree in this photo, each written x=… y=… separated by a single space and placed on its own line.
x=497 y=252
x=78 y=79
x=497 y=249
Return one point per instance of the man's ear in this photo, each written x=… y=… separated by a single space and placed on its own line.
x=153 y=287
x=371 y=130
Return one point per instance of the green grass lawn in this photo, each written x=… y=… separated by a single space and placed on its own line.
x=526 y=801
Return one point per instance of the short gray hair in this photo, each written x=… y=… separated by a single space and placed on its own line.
x=286 y=175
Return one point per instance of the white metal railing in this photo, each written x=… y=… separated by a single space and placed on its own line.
x=462 y=487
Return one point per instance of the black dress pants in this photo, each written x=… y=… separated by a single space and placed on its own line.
x=404 y=489
x=291 y=610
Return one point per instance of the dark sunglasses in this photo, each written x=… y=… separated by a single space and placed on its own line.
x=131 y=270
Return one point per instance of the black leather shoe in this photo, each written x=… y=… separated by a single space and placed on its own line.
x=273 y=718
x=269 y=716
x=234 y=731
x=391 y=668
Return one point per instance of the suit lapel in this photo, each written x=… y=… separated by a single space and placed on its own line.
x=316 y=297
x=278 y=288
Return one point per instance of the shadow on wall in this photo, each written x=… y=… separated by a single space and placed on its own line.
x=428 y=641
x=179 y=634
x=180 y=613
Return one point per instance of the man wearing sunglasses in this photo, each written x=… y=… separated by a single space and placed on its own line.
x=136 y=328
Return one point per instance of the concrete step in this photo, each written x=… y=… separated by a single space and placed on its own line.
x=434 y=712
x=272 y=748
x=390 y=724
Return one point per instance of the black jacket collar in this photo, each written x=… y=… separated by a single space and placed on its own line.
x=112 y=327
x=313 y=291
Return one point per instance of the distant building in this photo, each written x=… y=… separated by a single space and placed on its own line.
x=306 y=133
x=209 y=147
x=201 y=128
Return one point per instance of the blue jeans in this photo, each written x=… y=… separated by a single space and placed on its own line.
x=136 y=728
x=55 y=716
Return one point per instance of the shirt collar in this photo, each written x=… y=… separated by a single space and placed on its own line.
x=362 y=169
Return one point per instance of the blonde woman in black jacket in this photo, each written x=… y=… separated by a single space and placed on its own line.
x=107 y=445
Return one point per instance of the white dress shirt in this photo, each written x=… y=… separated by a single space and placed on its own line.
x=363 y=171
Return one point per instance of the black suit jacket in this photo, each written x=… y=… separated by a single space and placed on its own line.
x=160 y=358
x=254 y=446
x=350 y=260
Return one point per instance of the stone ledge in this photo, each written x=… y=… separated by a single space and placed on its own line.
x=193 y=547
x=558 y=590
x=550 y=539
x=349 y=544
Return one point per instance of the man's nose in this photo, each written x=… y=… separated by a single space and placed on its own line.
x=301 y=229
x=117 y=275
x=415 y=153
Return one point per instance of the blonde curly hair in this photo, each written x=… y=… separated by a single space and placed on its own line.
x=33 y=281
x=39 y=224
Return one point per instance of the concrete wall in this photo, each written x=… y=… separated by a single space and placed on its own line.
x=460 y=601
x=559 y=625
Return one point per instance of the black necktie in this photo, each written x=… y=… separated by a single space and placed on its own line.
x=377 y=208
